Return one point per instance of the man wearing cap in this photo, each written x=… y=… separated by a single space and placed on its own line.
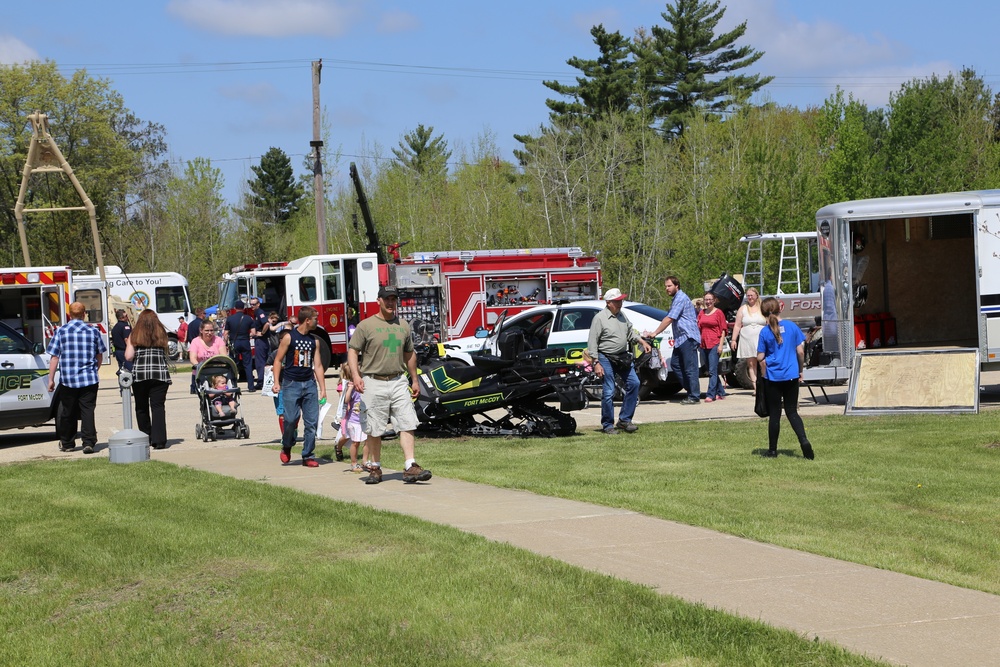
x=611 y=344
x=182 y=334
x=687 y=338
x=380 y=355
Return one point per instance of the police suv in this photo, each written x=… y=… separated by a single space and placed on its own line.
x=24 y=381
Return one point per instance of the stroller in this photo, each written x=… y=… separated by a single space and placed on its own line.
x=212 y=423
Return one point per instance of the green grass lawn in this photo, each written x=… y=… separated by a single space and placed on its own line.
x=913 y=494
x=104 y=564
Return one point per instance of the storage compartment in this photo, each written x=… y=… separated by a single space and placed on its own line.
x=920 y=275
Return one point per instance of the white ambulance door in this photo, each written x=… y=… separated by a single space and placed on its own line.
x=94 y=297
x=53 y=310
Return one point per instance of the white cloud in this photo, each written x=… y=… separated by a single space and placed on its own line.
x=268 y=18
x=257 y=93
x=810 y=59
x=397 y=21
x=13 y=50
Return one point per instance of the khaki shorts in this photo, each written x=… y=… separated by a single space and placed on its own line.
x=386 y=400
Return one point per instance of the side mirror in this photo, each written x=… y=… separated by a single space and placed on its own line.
x=482 y=333
x=38 y=348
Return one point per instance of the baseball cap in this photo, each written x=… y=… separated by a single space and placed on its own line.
x=614 y=294
x=386 y=291
x=239 y=305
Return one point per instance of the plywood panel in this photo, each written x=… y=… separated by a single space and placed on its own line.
x=927 y=380
x=932 y=286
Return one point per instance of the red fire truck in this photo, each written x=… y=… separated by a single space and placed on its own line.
x=451 y=294
x=443 y=295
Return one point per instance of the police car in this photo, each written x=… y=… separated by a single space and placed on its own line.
x=24 y=381
x=566 y=327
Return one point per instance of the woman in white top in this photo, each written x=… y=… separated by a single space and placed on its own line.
x=749 y=322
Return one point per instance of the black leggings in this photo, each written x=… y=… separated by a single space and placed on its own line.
x=775 y=393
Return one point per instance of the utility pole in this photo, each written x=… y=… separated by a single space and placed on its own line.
x=317 y=145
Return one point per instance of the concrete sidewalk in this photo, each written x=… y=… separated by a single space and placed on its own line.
x=882 y=614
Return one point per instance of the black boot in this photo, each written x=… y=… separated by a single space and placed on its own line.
x=807 y=451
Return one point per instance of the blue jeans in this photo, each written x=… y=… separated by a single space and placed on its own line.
x=684 y=363
x=715 y=388
x=300 y=397
x=608 y=394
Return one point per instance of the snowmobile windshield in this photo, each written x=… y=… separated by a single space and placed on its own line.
x=648 y=311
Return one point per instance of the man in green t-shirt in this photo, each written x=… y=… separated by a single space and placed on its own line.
x=385 y=348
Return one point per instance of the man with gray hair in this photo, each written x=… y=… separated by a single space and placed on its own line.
x=610 y=347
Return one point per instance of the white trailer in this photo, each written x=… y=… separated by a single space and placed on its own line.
x=910 y=288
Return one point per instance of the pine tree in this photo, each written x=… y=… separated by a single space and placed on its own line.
x=687 y=67
x=607 y=84
x=274 y=194
x=423 y=154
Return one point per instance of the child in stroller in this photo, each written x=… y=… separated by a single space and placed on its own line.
x=219 y=399
x=223 y=396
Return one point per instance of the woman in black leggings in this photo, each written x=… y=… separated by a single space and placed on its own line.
x=781 y=353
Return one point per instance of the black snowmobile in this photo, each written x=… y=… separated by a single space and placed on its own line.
x=456 y=397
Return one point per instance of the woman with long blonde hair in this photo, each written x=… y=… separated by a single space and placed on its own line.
x=146 y=348
x=781 y=353
x=746 y=328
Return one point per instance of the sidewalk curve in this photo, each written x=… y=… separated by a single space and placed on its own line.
x=895 y=617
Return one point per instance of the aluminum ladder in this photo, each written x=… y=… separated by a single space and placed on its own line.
x=789 y=267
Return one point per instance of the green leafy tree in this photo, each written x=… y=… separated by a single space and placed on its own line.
x=940 y=136
x=196 y=237
x=851 y=136
x=274 y=192
x=422 y=154
x=109 y=148
x=686 y=67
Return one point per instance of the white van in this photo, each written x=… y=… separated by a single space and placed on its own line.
x=165 y=292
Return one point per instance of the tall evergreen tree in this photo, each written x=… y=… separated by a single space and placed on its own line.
x=422 y=153
x=687 y=67
x=607 y=84
x=274 y=194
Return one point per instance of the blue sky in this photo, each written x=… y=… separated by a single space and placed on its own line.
x=231 y=78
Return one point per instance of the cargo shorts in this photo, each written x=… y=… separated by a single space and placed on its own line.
x=386 y=400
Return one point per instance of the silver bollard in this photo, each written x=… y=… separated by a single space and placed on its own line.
x=128 y=445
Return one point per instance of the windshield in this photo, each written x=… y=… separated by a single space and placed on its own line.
x=648 y=311
x=227 y=293
x=11 y=342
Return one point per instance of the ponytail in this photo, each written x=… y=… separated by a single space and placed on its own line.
x=770 y=308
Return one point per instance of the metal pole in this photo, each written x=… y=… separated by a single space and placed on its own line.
x=317 y=145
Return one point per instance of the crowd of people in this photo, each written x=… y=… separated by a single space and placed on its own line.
x=379 y=380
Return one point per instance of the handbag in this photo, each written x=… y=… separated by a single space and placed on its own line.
x=760 y=401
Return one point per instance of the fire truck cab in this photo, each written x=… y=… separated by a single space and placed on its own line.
x=342 y=288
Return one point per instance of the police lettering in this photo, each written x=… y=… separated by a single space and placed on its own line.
x=11 y=382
